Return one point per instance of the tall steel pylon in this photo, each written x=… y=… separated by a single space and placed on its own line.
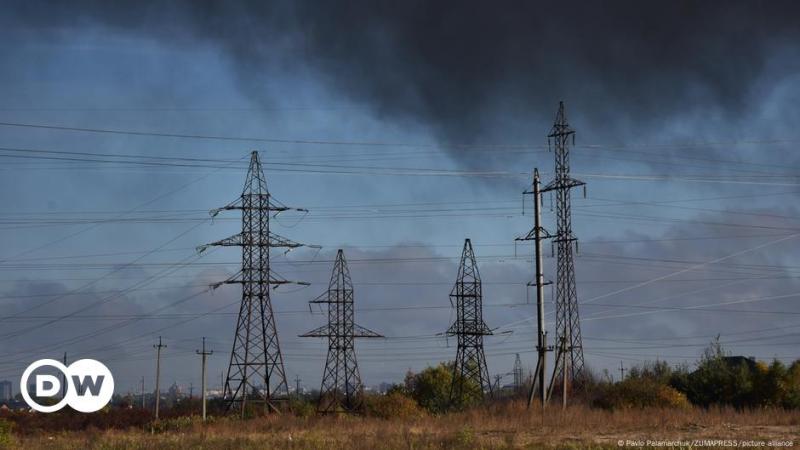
x=341 y=389
x=470 y=373
x=518 y=372
x=255 y=374
x=568 y=328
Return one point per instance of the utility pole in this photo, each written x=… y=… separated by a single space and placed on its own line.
x=297 y=381
x=256 y=365
x=538 y=234
x=470 y=373
x=341 y=389
x=191 y=390
x=143 y=393
x=204 y=354
x=158 y=373
x=568 y=328
x=621 y=371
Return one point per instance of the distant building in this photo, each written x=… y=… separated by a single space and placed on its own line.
x=6 y=392
x=737 y=361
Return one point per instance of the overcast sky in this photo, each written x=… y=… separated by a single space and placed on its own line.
x=404 y=127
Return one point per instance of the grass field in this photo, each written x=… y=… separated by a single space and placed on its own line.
x=502 y=426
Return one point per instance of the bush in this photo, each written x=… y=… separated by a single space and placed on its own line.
x=302 y=407
x=719 y=380
x=724 y=380
x=640 y=393
x=70 y=420
x=431 y=389
x=393 y=405
x=174 y=424
x=6 y=437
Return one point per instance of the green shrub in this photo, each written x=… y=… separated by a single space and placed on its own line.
x=6 y=437
x=173 y=424
x=393 y=405
x=302 y=407
x=722 y=379
x=640 y=393
x=431 y=389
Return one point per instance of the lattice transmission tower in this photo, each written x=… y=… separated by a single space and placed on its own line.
x=470 y=373
x=341 y=389
x=518 y=372
x=256 y=373
x=569 y=351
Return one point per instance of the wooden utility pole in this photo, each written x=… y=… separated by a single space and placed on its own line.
x=204 y=354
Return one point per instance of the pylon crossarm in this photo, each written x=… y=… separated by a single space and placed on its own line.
x=323 y=331
x=362 y=332
x=278 y=207
x=276 y=283
x=277 y=280
x=233 y=279
x=276 y=240
x=233 y=241
x=321 y=298
x=531 y=236
x=557 y=184
x=239 y=240
x=236 y=204
x=272 y=206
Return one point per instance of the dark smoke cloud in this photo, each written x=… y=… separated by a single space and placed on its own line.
x=462 y=67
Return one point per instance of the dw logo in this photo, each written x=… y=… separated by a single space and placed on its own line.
x=90 y=385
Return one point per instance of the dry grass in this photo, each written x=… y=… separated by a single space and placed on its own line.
x=502 y=426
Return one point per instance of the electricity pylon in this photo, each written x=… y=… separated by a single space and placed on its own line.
x=341 y=389
x=518 y=373
x=569 y=357
x=537 y=234
x=255 y=373
x=470 y=373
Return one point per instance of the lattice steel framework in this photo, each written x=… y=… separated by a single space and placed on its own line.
x=518 y=372
x=470 y=373
x=341 y=391
x=256 y=373
x=568 y=327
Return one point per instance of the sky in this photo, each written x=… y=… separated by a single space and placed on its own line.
x=404 y=128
